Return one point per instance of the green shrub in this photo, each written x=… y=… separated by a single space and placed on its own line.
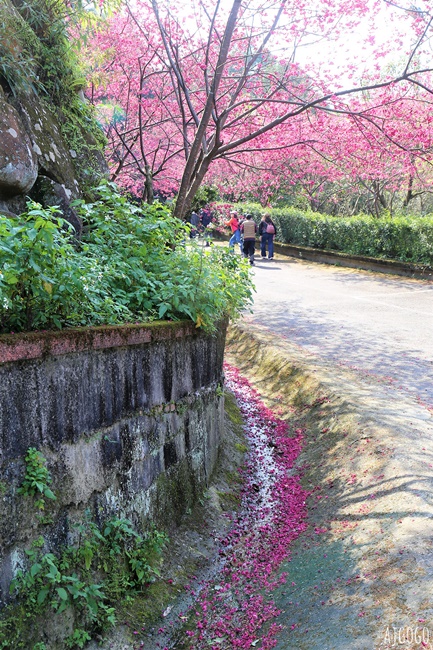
x=37 y=478
x=133 y=264
x=402 y=238
x=41 y=283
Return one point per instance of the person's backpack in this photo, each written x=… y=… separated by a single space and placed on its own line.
x=249 y=228
x=270 y=229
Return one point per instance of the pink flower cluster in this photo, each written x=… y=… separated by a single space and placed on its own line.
x=239 y=611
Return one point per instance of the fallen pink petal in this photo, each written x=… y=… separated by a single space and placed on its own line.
x=272 y=514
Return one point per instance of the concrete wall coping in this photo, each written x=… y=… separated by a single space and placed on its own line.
x=383 y=265
x=34 y=345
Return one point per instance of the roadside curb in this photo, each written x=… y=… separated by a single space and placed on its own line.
x=406 y=269
x=394 y=267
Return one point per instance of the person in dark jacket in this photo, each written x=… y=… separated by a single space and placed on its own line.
x=206 y=219
x=263 y=238
x=267 y=237
x=194 y=221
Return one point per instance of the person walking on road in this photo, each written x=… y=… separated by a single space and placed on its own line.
x=263 y=238
x=249 y=229
x=235 y=226
x=268 y=238
x=195 y=221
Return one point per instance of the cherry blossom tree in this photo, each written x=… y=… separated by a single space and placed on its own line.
x=136 y=104
x=377 y=155
x=201 y=86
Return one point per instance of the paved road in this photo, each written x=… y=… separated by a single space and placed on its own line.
x=373 y=323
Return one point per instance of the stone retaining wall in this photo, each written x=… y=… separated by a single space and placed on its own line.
x=129 y=419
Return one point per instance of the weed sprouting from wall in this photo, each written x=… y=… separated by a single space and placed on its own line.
x=109 y=563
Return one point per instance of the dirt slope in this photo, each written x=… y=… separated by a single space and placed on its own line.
x=362 y=577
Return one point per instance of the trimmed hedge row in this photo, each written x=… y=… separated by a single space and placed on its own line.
x=409 y=239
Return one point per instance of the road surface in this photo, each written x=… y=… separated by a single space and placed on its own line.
x=370 y=322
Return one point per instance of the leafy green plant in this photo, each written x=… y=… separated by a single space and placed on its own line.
x=128 y=559
x=37 y=478
x=78 y=639
x=106 y=565
x=133 y=264
x=40 y=272
x=52 y=583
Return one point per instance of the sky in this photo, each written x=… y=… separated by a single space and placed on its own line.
x=360 y=45
x=390 y=26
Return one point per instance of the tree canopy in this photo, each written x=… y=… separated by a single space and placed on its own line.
x=202 y=90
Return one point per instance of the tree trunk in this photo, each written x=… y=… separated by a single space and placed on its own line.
x=409 y=193
x=189 y=178
x=148 y=192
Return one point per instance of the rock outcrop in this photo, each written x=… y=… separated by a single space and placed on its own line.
x=18 y=161
x=48 y=151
